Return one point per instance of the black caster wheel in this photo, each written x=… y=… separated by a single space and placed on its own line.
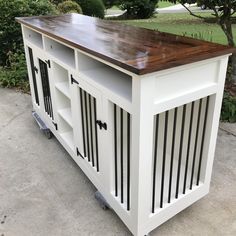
x=48 y=134
x=102 y=201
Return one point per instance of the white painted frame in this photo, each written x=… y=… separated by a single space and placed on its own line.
x=150 y=94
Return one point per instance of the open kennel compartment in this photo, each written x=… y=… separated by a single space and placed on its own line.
x=137 y=110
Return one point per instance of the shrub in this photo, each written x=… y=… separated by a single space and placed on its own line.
x=15 y=75
x=10 y=31
x=140 y=9
x=228 y=111
x=92 y=7
x=13 y=71
x=56 y=2
x=69 y=7
x=109 y=3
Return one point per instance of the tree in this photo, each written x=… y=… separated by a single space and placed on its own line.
x=223 y=11
x=139 y=9
x=92 y=7
x=69 y=6
x=10 y=30
x=109 y=3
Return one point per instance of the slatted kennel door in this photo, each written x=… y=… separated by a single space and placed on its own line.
x=178 y=143
x=88 y=108
x=46 y=88
x=122 y=140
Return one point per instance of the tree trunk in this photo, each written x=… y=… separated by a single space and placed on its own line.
x=233 y=64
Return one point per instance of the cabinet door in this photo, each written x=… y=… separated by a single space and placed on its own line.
x=88 y=122
x=45 y=82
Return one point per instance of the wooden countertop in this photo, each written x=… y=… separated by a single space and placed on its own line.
x=138 y=50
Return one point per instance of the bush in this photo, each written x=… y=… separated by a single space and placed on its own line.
x=10 y=31
x=13 y=71
x=69 y=7
x=56 y=2
x=15 y=75
x=228 y=111
x=109 y=3
x=138 y=9
x=92 y=7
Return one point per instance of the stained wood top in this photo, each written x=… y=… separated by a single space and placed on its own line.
x=138 y=50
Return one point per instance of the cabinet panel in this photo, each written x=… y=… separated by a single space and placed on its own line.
x=88 y=103
x=45 y=85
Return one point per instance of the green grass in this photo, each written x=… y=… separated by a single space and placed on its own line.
x=114 y=8
x=162 y=4
x=184 y=24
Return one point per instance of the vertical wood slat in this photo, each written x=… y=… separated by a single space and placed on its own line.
x=33 y=75
x=86 y=125
x=96 y=133
x=196 y=144
x=164 y=158
x=82 y=120
x=91 y=129
x=180 y=151
x=121 y=157
x=172 y=153
x=188 y=147
x=154 y=164
x=115 y=146
x=128 y=161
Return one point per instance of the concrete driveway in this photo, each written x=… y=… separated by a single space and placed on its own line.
x=44 y=193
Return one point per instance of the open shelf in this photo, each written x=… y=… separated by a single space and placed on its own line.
x=105 y=76
x=66 y=115
x=111 y=79
x=66 y=132
x=61 y=52
x=62 y=100
x=64 y=88
x=61 y=79
x=68 y=138
x=33 y=37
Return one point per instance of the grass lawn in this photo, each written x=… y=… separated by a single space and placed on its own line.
x=161 y=4
x=184 y=24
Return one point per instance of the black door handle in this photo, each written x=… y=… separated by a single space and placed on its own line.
x=101 y=125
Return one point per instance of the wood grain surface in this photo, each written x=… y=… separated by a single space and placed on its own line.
x=137 y=50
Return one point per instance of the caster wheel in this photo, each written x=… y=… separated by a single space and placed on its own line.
x=48 y=134
x=102 y=201
x=104 y=207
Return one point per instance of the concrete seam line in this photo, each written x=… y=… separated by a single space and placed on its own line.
x=227 y=131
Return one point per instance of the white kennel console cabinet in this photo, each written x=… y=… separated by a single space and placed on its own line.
x=137 y=110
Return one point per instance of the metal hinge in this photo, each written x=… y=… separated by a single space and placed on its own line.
x=73 y=80
x=55 y=124
x=36 y=69
x=78 y=153
x=101 y=125
x=48 y=62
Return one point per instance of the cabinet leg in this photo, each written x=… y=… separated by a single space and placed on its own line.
x=102 y=201
x=42 y=125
